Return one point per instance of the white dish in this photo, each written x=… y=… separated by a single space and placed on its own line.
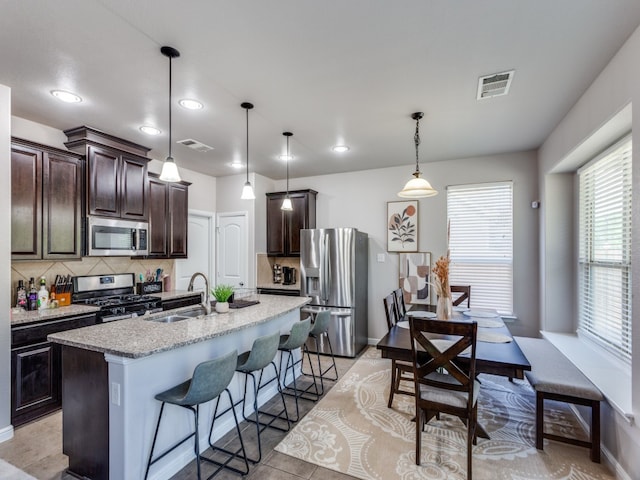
x=481 y=313
x=421 y=314
x=488 y=323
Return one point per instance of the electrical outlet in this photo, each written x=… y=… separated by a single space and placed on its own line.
x=115 y=393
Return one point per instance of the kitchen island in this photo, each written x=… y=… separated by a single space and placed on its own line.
x=112 y=371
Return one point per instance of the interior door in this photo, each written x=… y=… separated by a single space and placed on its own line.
x=233 y=249
x=201 y=251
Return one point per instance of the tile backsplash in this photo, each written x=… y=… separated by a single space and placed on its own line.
x=264 y=264
x=87 y=266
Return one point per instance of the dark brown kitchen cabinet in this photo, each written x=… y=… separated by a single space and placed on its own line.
x=186 y=301
x=116 y=174
x=168 y=218
x=36 y=374
x=283 y=227
x=116 y=184
x=46 y=202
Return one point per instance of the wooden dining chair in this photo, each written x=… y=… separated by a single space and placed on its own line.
x=442 y=385
x=401 y=307
x=400 y=371
x=465 y=294
x=390 y=310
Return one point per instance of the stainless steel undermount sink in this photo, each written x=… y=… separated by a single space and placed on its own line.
x=169 y=318
x=196 y=312
x=176 y=317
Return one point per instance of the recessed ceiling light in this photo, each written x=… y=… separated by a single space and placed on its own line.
x=340 y=148
x=191 y=104
x=286 y=157
x=67 y=97
x=149 y=130
x=236 y=164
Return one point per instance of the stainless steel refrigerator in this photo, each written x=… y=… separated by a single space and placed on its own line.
x=334 y=273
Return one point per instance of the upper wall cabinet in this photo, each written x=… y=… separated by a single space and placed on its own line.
x=116 y=174
x=283 y=227
x=168 y=218
x=46 y=202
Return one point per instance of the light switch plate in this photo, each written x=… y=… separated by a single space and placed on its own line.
x=115 y=393
x=381 y=258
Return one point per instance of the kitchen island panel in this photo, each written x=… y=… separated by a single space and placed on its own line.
x=85 y=394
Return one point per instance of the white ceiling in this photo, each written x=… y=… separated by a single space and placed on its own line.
x=330 y=71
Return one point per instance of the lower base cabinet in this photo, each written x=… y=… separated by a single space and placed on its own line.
x=36 y=368
x=35 y=374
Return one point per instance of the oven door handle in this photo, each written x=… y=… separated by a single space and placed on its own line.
x=116 y=317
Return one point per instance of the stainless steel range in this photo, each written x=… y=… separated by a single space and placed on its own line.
x=115 y=296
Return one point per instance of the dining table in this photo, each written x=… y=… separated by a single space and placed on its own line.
x=497 y=352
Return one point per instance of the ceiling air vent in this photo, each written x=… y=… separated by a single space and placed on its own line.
x=195 y=145
x=494 y=85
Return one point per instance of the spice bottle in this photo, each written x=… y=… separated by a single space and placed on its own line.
x=21 y=296
x=43 y=295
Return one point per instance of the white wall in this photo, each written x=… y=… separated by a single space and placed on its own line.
x=36 y=132
x=6 y=430
x=359 y=199
x=616 y=86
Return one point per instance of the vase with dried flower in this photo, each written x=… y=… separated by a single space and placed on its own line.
x=444 y=306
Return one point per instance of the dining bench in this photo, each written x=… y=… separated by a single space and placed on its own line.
x=554 y=377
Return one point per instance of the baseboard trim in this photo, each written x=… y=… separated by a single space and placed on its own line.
x=610 y=459
x=6 y=433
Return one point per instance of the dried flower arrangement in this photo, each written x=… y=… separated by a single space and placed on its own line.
x=441 y=271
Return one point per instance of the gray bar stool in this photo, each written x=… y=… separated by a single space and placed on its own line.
x=261 y=355
x=288 y=344
x=320 y=328
x=209 y=380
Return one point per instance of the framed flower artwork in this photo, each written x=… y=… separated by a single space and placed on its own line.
x=402 y=226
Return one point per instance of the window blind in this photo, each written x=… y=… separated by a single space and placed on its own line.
x=481 y=242
x=604 y=264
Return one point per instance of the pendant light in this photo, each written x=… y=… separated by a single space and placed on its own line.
x=247 y=190
x=169 y=167
x=417 y=187
x=286 y=203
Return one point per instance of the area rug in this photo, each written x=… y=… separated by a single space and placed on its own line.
x=9 y=472
x=352 y=431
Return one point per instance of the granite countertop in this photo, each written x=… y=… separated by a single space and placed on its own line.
x=140 y=337
x=23 y=317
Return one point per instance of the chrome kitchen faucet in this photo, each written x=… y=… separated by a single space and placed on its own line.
x=205 y=303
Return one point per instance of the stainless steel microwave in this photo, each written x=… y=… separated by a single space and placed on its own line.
x=115 y=237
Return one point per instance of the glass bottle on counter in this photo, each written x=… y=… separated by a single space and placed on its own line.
x=43 y=295
x=33 y=295
x=21 y=296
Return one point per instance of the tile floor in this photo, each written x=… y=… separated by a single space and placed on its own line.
x=37 y=449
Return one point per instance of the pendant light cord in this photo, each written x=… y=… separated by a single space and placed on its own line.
x=288 y=157
x=416 y=139
x=170 y=77
x=247 y=110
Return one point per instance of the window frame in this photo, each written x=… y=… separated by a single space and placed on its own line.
x=595 y=329
x=463 y=223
